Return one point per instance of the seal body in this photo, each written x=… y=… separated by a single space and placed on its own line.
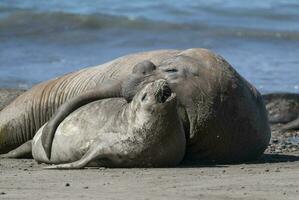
x=223 y=115
x=113 y=133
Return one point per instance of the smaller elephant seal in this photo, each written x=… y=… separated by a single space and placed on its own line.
x=146 y=132
x=283 y=108
x=141 y=74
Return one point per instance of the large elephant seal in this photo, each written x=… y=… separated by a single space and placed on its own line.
x=283 y=108
x=224 y=116
x=146 y=132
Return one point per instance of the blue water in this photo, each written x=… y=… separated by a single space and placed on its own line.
x=41 y=39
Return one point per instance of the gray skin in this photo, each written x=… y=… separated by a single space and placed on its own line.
x=283 y=108
x=147 y=132
x=127 y=89
x=223 y=115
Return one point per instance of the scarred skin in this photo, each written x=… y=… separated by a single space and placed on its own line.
x=224 y=116
x=146 y=132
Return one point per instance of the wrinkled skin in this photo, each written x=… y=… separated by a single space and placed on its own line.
x=141 y=74
x=283 y=108
x=224 y=117
x=146 y=132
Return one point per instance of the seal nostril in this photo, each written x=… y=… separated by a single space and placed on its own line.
x=143 y=97
x=171 y=70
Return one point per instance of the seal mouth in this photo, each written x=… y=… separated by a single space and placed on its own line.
x=163 y=93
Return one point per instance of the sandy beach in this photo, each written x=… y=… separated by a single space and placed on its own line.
x=41 y=40
x=274 y=176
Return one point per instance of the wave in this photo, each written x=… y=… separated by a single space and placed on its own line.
x=27 y=22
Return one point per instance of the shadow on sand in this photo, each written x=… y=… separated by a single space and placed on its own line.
x=275 y=158
x=265 y=158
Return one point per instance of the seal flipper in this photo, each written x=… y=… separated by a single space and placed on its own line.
x=293 y=125
x=96 y=151
x=23 y=151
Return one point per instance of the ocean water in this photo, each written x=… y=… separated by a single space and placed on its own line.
x=41 y=39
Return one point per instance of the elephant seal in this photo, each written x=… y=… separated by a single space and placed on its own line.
x=144 y=133
x=283 y=108
x=223 y=115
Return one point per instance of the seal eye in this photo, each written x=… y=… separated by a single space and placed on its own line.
x=143 y=97
x=171 y=70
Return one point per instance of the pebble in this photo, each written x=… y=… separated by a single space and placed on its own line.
x=277 y=170
x=275 y=141
x=282 y=142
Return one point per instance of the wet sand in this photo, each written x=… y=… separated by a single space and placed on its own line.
x=274 y=176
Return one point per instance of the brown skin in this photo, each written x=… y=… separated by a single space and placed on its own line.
x=224 y=116
x=222 y=100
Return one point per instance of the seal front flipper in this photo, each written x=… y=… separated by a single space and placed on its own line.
x=23 y=151
x=96 y=151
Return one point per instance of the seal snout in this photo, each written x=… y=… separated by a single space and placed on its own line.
x=163 y=93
